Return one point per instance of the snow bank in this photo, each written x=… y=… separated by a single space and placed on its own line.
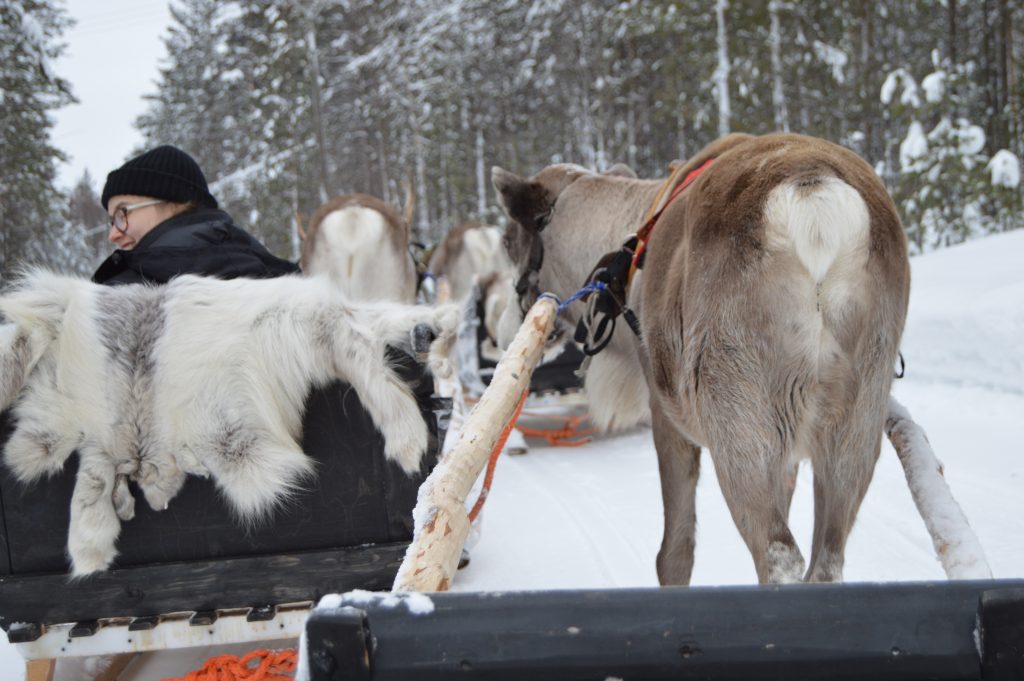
x=966 y=316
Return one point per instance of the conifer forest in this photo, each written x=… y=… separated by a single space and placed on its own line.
x=287 y=103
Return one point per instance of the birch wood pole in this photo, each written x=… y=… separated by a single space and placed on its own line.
x=441 y=521
x=956 y=545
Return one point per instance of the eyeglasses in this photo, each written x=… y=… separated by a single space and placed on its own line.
x=119 y=220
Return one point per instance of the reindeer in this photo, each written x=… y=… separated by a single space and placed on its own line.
x=362 y=245
x=771 y=303
x=468 y=252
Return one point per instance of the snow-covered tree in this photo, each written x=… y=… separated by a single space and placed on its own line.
x=31 y=206
x=434 y=92
x=949 y=189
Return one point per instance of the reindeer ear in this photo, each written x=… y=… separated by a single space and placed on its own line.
x=506 y=183
x=523 y=200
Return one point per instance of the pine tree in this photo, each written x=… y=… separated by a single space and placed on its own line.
x=84 y=209
x=30 y=203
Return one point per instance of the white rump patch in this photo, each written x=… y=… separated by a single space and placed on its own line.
x=354 y=249
x=822 y=223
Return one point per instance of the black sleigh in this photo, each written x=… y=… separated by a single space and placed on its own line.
x=349 y=530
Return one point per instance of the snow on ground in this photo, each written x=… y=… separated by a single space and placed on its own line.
x=590 y=517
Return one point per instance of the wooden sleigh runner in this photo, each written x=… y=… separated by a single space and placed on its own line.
x=181 y=569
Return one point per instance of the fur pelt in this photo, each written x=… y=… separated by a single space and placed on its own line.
x=200 y=376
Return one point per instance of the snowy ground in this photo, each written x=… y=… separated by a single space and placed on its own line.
x=590 y=517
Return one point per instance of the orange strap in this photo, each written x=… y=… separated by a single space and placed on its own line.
x=493 y=461
x=259 y=665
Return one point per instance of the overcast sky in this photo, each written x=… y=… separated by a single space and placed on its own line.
x=112 y=60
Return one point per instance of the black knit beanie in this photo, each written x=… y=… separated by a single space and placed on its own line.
x=164 y=173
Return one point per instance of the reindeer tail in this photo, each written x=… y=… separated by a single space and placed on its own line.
x=824 y=217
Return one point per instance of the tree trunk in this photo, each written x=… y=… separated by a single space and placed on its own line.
x=631 y=128
x=951 y=14
x=868 y=93
x=481 y=177
x=295 y=240
x=382 y=164
x=422 y=208
x=778 y=93
x=1002 y=129
x=318 y=123
x=721 y=75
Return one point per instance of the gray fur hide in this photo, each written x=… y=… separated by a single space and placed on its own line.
x=201 y=376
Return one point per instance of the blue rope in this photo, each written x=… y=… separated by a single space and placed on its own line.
x=589 y=288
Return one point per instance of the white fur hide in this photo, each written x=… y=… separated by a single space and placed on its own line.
x=200 y=376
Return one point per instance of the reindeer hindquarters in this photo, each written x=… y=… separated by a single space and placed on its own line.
x=679 y=468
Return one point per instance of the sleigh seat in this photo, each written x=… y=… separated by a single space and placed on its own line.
x=348 y=530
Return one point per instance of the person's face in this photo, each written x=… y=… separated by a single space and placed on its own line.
x=132 y=217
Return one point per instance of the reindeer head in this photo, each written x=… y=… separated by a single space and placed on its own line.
x=530 y=205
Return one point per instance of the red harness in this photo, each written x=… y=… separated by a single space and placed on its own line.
x=644 y=234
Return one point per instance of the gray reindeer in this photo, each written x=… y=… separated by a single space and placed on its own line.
x=771 y=303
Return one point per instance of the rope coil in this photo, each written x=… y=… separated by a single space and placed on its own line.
x=258 y=665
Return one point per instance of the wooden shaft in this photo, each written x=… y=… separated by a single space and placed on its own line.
x=40 y=670
x=444 y=291
x=955 y=543
x=440 y=514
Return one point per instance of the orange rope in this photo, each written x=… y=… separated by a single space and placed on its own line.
x=259 y=665
x=493 y=461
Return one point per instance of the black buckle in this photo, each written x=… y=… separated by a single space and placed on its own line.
x=612 y=270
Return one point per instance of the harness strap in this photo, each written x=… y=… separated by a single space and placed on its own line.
x=644 y=234
x=611 y=277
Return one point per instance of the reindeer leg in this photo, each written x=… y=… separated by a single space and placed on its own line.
x=679 y=467
x=844 y=463
x=750 y=476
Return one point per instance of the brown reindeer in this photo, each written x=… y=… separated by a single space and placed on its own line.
x=362 y=244
x=771 y=302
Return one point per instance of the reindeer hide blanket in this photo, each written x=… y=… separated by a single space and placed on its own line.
x=200 y=376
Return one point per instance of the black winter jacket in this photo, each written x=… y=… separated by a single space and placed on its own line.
x=200 y=241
